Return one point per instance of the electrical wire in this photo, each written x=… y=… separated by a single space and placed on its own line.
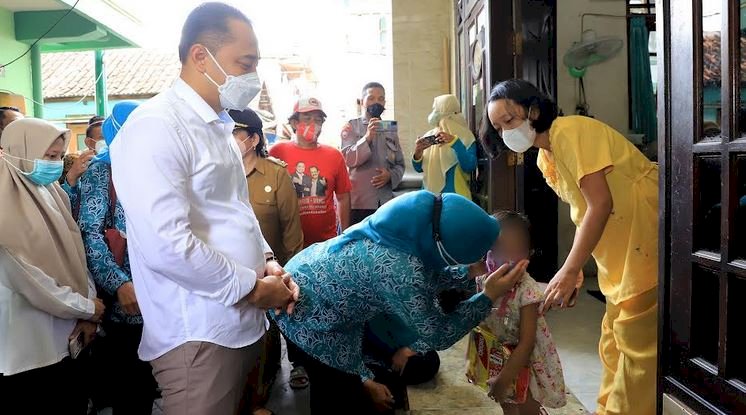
x=42 y=36
x=66 y=107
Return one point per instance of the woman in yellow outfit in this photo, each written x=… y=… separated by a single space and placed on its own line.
x=612 y=190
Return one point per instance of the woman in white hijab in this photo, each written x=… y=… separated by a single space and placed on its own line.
x=47 y=300
x=447 y=154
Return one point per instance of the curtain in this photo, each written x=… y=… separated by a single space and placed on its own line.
x=644 y=118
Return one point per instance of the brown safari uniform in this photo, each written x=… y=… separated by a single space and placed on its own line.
x=275 y=204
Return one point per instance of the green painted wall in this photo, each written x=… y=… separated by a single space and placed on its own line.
x=18 y=75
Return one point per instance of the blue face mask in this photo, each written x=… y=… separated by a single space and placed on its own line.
x=45 y=172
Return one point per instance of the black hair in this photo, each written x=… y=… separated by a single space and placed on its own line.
x=261 y=147
x=370 y=85
x=91 y=126
x=509 y=218
x=3 y=109
x=524 y=94
x=95 y=118
x=296 y=117
x=208 y=24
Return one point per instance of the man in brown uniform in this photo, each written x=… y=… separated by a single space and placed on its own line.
x=275 y=204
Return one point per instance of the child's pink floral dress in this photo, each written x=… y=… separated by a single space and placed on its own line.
x=547 y=384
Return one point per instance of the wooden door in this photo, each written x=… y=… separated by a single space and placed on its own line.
x=536 y=62
x=485 y=53
x=703 y=204
x=499 y=40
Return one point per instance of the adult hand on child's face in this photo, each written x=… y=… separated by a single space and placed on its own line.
x=504 y=279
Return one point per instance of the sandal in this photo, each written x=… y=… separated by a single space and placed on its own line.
x=298 y=378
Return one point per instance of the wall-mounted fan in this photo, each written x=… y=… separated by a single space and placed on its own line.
x=590 y=50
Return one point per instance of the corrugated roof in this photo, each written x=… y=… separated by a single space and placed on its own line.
x=712 y=63
x=129 y=72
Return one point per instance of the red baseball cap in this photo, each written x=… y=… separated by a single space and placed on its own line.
x=308 y=104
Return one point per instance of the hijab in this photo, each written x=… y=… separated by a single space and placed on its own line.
x=438 y=159
x=406 y=224
x=111 y=126
x=36 y=225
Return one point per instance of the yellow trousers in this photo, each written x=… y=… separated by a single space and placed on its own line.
x=628 y=351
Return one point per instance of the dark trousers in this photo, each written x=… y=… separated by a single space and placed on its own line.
x=126 y=383
x=335 y=392
x=295 y=355
x=263 y=372
x=420 y=368
x=55 y=389
x=358 y=215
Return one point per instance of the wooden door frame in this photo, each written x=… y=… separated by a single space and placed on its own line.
x=705 y=388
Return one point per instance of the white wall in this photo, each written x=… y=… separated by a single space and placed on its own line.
x=605 y=84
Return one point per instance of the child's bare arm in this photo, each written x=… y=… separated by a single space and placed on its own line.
x=522 y=354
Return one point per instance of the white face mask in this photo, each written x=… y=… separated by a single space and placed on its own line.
x=434 y=118
x=522 y=138
x=101 y=146
x=237 y=91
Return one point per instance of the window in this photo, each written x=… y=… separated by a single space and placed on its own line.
x=645 y=8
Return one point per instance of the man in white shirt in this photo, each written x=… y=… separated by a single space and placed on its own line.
x=196 y=250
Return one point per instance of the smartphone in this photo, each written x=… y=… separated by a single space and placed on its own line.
x=76 y=345
x=431 y=139
x=387 y=125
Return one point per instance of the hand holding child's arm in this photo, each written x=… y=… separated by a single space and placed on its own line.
x=521 y=356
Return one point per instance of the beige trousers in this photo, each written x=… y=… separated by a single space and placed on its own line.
x=201 y=378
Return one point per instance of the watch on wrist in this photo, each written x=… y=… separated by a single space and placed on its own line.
x=271 y=258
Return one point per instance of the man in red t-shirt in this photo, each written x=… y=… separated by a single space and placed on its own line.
x=318 y=171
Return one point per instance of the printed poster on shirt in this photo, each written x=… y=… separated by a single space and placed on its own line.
x=310 y=187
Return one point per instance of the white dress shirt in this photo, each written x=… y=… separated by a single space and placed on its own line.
x=37 y=316
x=194 y=243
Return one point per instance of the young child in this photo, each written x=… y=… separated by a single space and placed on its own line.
x=516 y=322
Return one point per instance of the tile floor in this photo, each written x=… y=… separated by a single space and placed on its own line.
x=575 y=331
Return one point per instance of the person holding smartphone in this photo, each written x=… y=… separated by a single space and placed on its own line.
x=373 y=154
x=447 y=154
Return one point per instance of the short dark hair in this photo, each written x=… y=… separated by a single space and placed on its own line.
x=509 y=218
x=261 y=146
x=370 y=85
x=91 y=126
x=208 y=24
x=95 y=118
x=524 y=94
x=296 y=117
x=3 y=109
